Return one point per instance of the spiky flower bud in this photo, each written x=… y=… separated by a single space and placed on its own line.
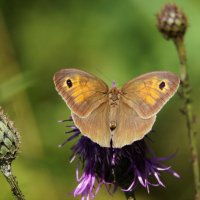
x=171 y=21
x=9 y=140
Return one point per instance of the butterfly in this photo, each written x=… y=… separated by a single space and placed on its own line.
x=115 y=117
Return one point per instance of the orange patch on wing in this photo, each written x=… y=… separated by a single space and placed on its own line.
x=79 y=99
x=150 y=100
x=151 y=93
x=81 y=89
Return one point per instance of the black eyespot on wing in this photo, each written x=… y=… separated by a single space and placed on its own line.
x=162 y=85
x=69 y=83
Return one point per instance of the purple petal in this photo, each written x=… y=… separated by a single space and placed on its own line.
x=158 y=179
x=130 y=188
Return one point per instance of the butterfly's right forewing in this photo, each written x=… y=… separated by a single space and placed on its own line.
x=82 y=91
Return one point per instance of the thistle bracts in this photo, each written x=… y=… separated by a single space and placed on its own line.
x=9 y=146
x=171 y=21
x=9 y=140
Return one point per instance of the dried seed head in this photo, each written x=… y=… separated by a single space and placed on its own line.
x=171 y=21
x=9 y=140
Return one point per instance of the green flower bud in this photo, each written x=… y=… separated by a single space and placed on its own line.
x=171 y=21
x=9 y=140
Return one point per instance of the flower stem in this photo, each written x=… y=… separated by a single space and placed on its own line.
x=130 y=195
x=6 y=170
x=190 y=118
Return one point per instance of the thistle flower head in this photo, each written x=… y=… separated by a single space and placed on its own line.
x=123 y=168
x=9 y=140
x=171 y=21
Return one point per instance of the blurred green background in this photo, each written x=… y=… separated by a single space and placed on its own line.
x=115 y=40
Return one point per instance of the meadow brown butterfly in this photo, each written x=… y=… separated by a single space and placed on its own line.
x=117 y=116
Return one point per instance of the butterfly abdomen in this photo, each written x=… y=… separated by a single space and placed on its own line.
x=114 y=97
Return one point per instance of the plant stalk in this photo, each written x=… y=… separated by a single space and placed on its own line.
x=6 y=170
x=190 y=118
x=130 y=195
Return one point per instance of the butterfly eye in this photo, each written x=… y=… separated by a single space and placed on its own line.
x=162 y=85
x=69 y=83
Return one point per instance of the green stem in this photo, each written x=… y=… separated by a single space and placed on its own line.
x=186 y=95
x=130 y=195
x=6 y=170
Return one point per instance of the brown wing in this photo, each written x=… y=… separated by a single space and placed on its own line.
x=130 y=126
x=95 y=126
x=81 y=91
x=148 y=93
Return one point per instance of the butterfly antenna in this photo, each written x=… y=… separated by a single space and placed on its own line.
x=106 y=78
x=113 y=84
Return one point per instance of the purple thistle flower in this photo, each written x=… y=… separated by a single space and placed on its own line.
x=125 y=168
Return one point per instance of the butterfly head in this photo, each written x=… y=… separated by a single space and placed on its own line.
x=114 y=84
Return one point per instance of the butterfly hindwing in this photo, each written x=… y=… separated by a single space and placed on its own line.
x=130 y=126
x=95 y=126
